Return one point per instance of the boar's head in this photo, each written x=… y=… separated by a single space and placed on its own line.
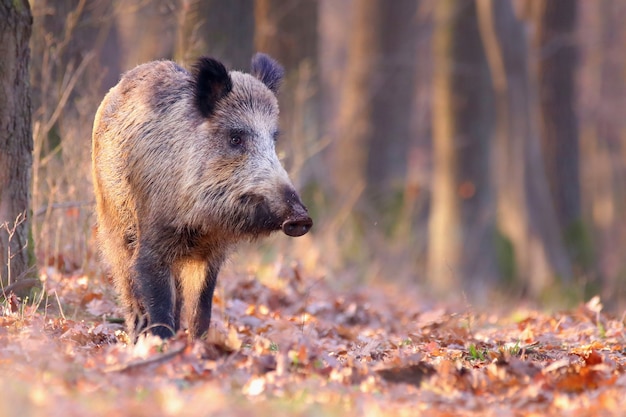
x=242 y=184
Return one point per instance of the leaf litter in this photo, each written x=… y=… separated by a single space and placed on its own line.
x=302 y=347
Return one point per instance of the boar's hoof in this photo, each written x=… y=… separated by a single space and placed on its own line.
x=297 y=227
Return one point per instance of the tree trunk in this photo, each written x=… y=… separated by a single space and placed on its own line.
x=602 y=127
x=16 y=142
x=557 y=53
x=393 y=94
x=526 y=216
x=224 y=30
x=288 y=31
x=461 y=222
x=354 y=122
x=372 y=129
x=556 y=63
x=147 y=31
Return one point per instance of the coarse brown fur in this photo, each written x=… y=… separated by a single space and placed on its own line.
x=184 y=167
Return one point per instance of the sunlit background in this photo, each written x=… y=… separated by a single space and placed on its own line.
x=462 y=147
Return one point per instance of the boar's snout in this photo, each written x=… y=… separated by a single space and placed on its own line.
x=298 y=221
x=297 y=227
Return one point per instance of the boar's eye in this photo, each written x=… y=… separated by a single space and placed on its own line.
x=236 y=140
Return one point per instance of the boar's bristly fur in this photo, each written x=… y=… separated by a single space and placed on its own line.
x=212 y=84
x=184 y=167
x=268 y=71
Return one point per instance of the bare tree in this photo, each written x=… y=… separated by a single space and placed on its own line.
x=221 y=29
x=556 y=63
x=16 y=142
x=602 y=95
x=373 y=125
x=75 y=59
x=288 y=31
x=146 y=30
x=354 y=122
x=393 y=94
x=461 y=221
x=526 y=216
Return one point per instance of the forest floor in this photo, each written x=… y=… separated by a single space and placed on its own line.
x=300 y=347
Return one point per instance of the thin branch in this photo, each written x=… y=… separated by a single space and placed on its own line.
x=68 y=90
x=63 y=205
x=145 y=362
x=21 y=285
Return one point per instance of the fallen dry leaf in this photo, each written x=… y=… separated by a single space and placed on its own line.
x=340 y=353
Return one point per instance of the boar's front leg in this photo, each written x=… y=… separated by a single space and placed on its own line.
x=156 y=290
x=200 y=301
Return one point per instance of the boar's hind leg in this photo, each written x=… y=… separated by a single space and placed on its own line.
x=134 y=314
x=199 y=300
x=156 y=291
x=119 y=255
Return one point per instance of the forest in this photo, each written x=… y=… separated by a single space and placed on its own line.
x=464 y=163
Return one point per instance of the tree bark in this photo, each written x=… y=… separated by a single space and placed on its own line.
x=354 y=122
x=556 y=63
x=461 y=221
x=602 y=139
x=288 y=31
x=224 y=30
x=16 y=142
x=526 y=216
x=146 y=30
x=372 y=130
x=393 y=95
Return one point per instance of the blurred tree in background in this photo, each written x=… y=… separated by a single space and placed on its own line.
x=529 y=239
x=466 y=145
x=224 y=28
x=461 y=226
x=555 y=51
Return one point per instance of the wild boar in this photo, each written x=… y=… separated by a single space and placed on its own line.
x=184 y=167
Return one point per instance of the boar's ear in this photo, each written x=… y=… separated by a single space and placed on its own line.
x=212 y=83
x=268 y=71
